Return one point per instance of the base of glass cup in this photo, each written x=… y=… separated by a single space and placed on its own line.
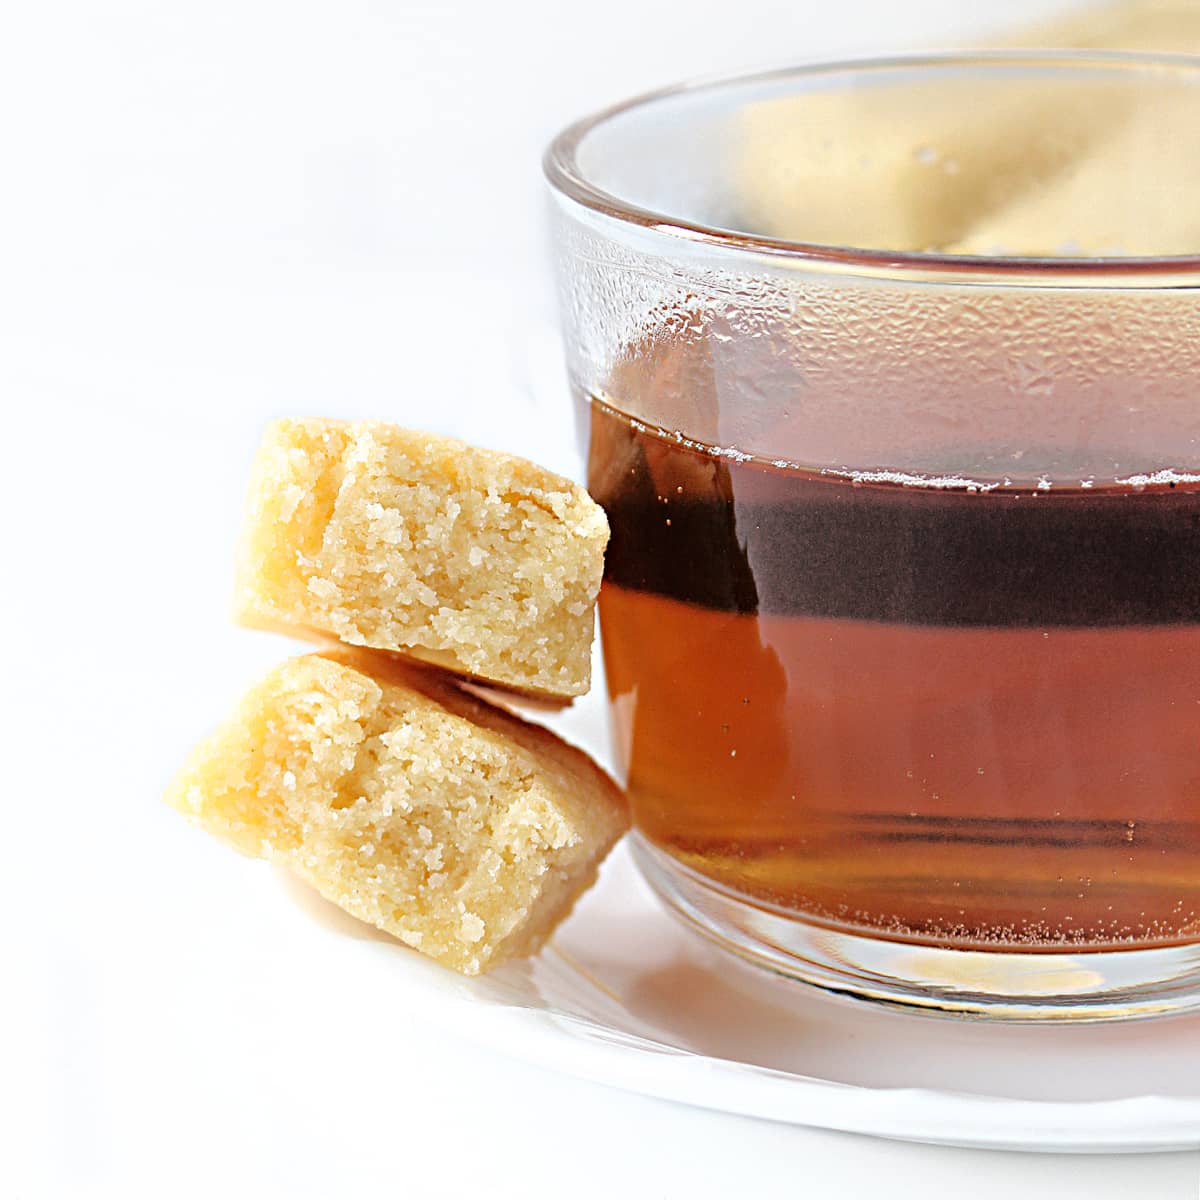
x=1077 y=987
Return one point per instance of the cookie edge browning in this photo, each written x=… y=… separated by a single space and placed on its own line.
x=270 y=591
x=590 y=800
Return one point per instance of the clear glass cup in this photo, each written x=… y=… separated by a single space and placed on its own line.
x=889 y=373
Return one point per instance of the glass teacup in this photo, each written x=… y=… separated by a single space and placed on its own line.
x=889 y=373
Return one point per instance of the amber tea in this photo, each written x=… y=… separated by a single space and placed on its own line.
x=969 y=717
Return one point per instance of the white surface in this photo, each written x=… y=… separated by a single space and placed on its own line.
x=626 y=995
x=213 y=213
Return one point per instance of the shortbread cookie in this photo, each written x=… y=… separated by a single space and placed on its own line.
x=912 y=167
x=479 y=562
x=906 y=167
x=1128 y=197
x=455 y=826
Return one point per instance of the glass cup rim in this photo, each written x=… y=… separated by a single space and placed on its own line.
x=562 y=171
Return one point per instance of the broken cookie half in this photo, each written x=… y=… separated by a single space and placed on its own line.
x=452 y=824
x=375 y=535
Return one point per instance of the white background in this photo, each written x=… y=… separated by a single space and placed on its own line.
x=213 y=213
